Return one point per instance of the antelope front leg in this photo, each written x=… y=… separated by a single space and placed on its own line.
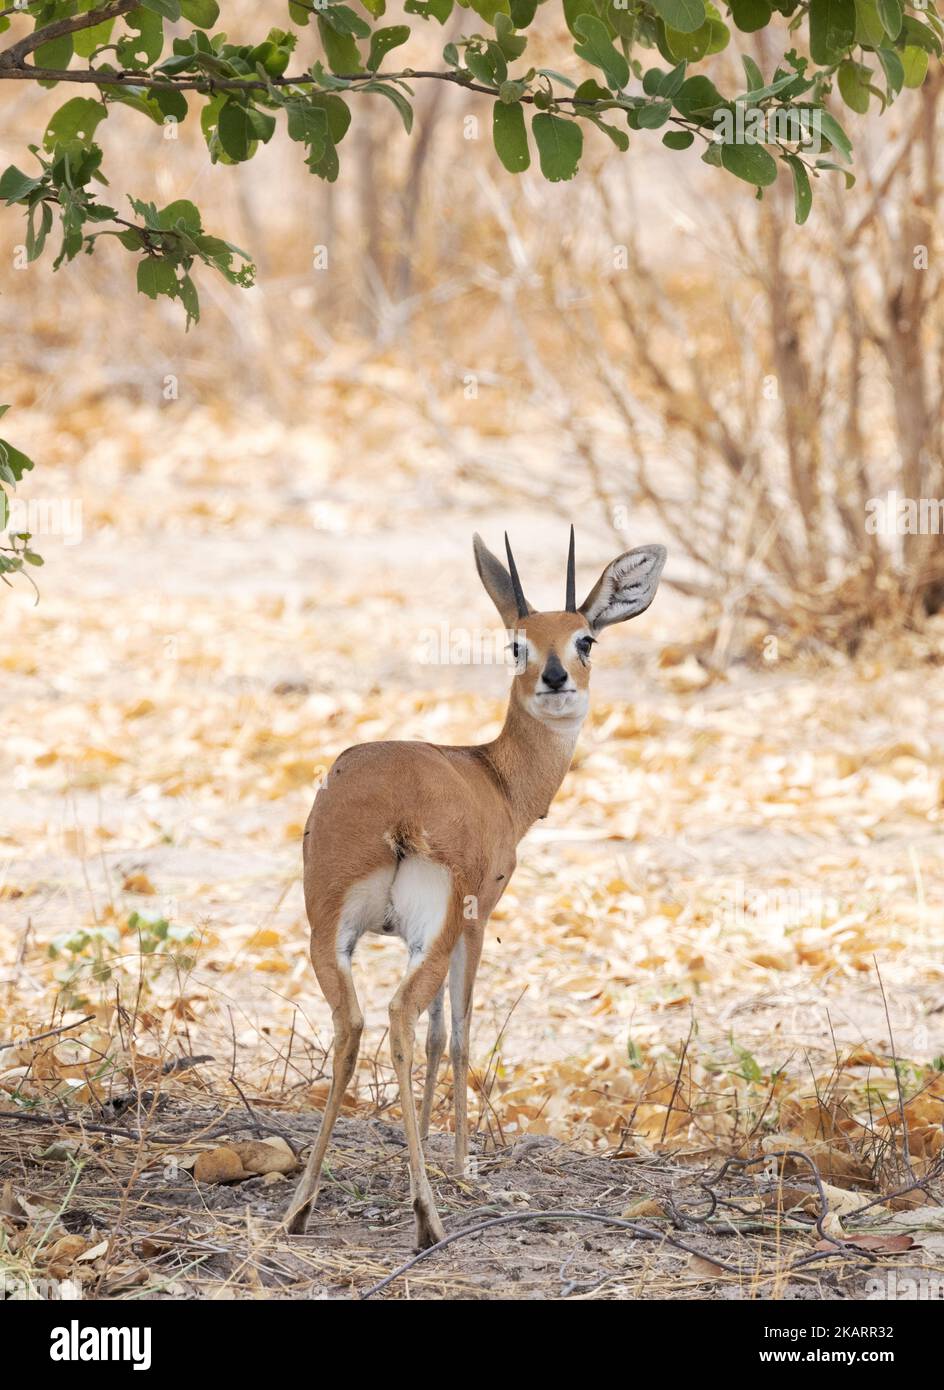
x=414 y=995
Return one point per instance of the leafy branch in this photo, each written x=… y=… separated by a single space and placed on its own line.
x=156 y=56
x=15 y=550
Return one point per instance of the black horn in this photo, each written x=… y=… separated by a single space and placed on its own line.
x=571 y=604
x=515 y=581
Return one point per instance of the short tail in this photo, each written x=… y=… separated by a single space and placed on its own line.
x=406 y=839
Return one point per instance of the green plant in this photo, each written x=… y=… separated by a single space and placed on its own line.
x=639 y=65
x=15 y=549
x=95 y=952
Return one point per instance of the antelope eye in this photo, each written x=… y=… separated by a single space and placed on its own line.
x=519 y=652
x=583 y=646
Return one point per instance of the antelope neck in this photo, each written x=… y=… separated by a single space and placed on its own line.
x=531 y=759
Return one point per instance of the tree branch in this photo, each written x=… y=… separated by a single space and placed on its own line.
x=13 y=56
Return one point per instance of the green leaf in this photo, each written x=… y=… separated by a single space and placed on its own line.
x=337 y=112
x=802 y=189
x=235 y=130
x=854 y=80
x=170 y=9
x=750 y=162
x=394 y=95
x=85 y=41
x=914 y=62
x=560 y=145
x=573 y=9
x=619 y=137
x=510 y=43
x=383 y=40
x=309 y=126
x=488 y=9
x=14 y=185
x=597 y=48
x=672 y=81
x=698 y=98
x=57 y=53
x=654 y=115
x=430 y=9
x=170 y=103
x=203 y=13
x=74 y=124
x=835 y=134
x=522 y=14
x=343 y=20
x=892 y=17
x=146 y=48
x=750 y=15
x=678 y=139
x=770 y=89
x=691 y=47
x=753 y=74
x=893 y=68
x=36 y=236
x=156 y=276
x=510 y=135
x=557 y=77
x=512 y=91
x=16 y=463
x=710 y=37
x=684 y=15
x=261 y=125
x=181 y=211
x=139 y=102
x=832 y=29
x=869 y=27
x=828 y=164
x=341 y=51
x=919 y=35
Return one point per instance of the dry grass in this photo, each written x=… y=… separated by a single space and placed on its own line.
x=117 y=1212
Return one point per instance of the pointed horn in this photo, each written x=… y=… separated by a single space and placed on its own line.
x=515 y=581
x=571 y=604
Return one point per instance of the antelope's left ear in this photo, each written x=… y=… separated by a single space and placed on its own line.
x=625 y=588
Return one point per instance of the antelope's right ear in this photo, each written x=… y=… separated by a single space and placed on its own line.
x=497 y=582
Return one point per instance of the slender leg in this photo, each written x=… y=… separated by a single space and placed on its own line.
x=462 y=970
x=435 y=1046
x=415 y=994
x=338 y=987
x=427 y=907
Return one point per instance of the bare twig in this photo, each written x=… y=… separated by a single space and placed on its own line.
x=50 y=1033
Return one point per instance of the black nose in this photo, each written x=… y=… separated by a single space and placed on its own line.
x=554 y=675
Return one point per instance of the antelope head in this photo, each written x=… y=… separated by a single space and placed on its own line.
x=551 y=650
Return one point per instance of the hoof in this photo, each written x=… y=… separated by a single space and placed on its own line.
x=296 y=1222
x=429 y=1229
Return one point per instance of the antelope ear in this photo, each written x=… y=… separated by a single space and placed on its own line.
x=497 y=582
x=625 y=588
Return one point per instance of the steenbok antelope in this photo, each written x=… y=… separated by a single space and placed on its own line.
x=418 y=840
